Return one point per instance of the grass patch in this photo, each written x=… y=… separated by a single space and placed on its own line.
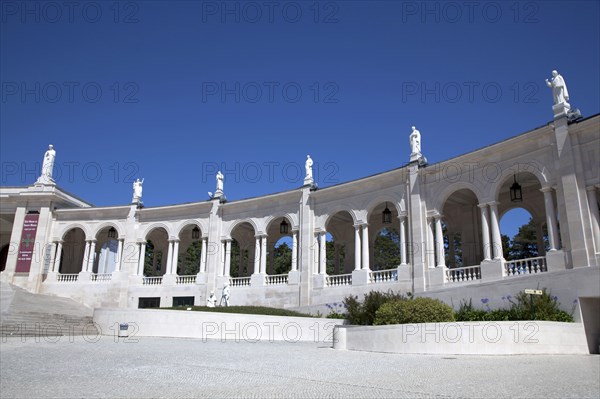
x=262 y=310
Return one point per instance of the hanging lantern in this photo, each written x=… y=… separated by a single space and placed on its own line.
x=195 y=233
x=386 y=216
x=516 y=194
x=283 y=227
x=112 y=233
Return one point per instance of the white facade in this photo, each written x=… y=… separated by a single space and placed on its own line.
x=462 y=199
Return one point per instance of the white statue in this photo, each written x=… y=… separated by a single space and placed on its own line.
x=211 y=302
x=220 y=179
x=225 y=294
x=559 y=88
x=415 y=141
x=47 y=166
x=137 y=190
x=308 y=167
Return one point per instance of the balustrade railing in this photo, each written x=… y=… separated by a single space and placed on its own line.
x=338 y=280
x=239 y=281
x=67 y=278
x=526 y=266
x=100 y=277
x=155 y=280
x=277 y=279
x=383 y=276
x=186 y=279
x=467 y=273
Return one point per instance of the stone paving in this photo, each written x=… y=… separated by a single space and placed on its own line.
x=186 y=368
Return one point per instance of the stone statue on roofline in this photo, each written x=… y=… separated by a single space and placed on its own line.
x=560 y=93
x=47 y=167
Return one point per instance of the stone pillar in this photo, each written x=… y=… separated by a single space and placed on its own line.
x=257 y=256
x=263 y=255
x=203 y=256
x=550 y=219
x=92 y=256
x=57 y=257
x=496 y=238
x=175 y=257
x=357 y=245
x=294 y=250
x=402 y=239
x=227 y=272
x=169 y=258
x=323 y=252
x=365 y=247
x=485 y=232
x=13 y=249
x=86 y=256
x=439 y=241
x=119 y=259
x=593 y=201
x=430 y=244
x=142 y=258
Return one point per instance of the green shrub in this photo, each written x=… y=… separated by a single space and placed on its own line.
x=545 y=307
x=363 y=313
x=418 y=310
x=336 y=315
x=466 y=312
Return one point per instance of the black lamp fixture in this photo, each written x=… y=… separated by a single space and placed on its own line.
x=283 y=227
x=386 y=216
x=112 y=233
x=195 y=233
x=516 y=194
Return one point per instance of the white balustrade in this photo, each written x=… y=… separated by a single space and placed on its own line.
x=157 y=280
x=467 y=273
x=383 y=276
x=526 y=266
x=239 y=281
x=338 y=280
x=277 y=279
x=67 y=278
x=101 y=277
x=186 y=279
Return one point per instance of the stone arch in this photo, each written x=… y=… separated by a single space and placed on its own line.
x=155 y=226
x=238 y=222
x=72 y=226
x=326 y=217
x=287 y=216
x=104 y=225
x=539 y=174
x=373 y=203
x=190 y=222
x=447 y=192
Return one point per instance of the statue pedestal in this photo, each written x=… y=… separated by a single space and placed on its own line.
x=258 y=280
x=360 y=277
x=404 y=272
x=308 y=181
x=414 y=157
x=319 y=281
x=437 y=276
x=294 y=277
x=560 y=110
x=555 y=260
x=492 y=270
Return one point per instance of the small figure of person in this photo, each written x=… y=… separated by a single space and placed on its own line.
x=560 y=93
x=137 y=190
x=211 y=301
x=225 y=295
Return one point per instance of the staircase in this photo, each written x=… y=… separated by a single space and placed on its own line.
x=23 y=314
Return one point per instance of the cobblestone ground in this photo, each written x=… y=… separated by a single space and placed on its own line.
x=186 y=368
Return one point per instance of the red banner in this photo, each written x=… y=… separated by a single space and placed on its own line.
x=27 y=243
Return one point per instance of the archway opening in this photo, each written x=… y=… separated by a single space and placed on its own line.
x=190 y=250
x=157 y=247
x=279 y=246
x=242 y=250
x=105 y=259
x=386 y=249
x=523 y=235
x=73 y=252
x=461 y=228
x=339 y=244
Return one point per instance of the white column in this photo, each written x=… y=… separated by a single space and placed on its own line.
x=485 y=232
x=430 y=243
x=365 y=246
x=227 y=258
x=402 y=240
x=203 y=256
x=119 y=255
x=92 y=256
x=357 y=247
x=175 y=257
x=86 y=255
x=550 y=218
x=322 y=253
x=169 y=257
x=257 y=256
x=593 y=203
x=294 y=250
x=496 y=239
x=439 y=241
x=263 y=255
x=142 y=258
x=57 y=257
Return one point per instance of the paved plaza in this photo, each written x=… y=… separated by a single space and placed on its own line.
x=167 y=367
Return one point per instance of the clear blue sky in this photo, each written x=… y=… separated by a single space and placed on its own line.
x=171 y=91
